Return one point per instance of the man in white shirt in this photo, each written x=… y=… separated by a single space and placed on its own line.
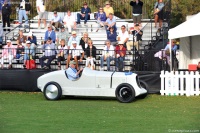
x=69 y=21
x=41 y=12
x=123 y=35
x=75 y=52
x=107 y=55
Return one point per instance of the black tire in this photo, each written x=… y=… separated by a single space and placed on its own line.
x=146 y=87
x=125 y=93
x=52 y=91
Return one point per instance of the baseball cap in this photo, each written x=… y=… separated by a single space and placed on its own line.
x=28 y=42
x=8 y=41
x=137 y=24
x=74 y=42
x=62 y=26
x=73 y=32
x=49 y=38
x=120 y=42
x=72 y=62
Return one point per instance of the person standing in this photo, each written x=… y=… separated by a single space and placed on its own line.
x=41 y=12
x=24 y=8
x=6 y=11
x=137 y=11
x=158 y=13
x=85 y=13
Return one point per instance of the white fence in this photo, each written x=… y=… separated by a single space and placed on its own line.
x=180 y=83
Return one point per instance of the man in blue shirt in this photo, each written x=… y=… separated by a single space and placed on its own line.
x=110 y=22
x=85 y=13
x=56 y=21
x=50 y=33
x=72 y=73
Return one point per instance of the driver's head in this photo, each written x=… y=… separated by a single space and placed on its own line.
x=72 y=64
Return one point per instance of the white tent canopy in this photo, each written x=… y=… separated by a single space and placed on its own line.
x=189 y=34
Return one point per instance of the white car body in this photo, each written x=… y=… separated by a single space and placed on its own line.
x=91 y=83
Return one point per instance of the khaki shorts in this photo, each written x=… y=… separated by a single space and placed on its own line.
x=42 y=15
x=137 y=19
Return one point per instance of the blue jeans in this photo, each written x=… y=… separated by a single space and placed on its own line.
x=22 y=13
x=119 y=63
x=79 y=17
x=108 y=60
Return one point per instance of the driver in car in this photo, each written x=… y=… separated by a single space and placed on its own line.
x=72 y=73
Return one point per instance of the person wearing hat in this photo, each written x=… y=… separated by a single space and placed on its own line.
x=69 y=21
x=137 y=38
x=120 y=52
x=72 y=73
x=73 y=37
x=56 y=21
x=8 y=52
x=32 y=38
x=50 y=33
x=137 y=11
x=49 y=53
x=40 y=5
x=24 y=8
x=85 y=14
x=76 y=53
x=29 y=52
x=62 y=34
x=108 y=9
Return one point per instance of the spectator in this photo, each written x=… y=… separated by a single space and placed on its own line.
x=29 y=52
x=137 y=38
x=69 y=21
x=137 y=11
x=21 y=40
x=49 y=53
x=61 y=52
x=72 y=73
x=158 y=13
x=56 y=21
x=75 y=53
x=101 y=17
x=85 y=13
x=74 y=37
x=50 y=33
x=62 y=34
x=173 y=52
x=9 y=52
x=123 y=35
x=112 y=36
x=108 y=9
x=107 y=55
x=84 y=41
x=41 y=12
x=24 y=8
x=1 y=34
x=32 y=39
x=91 y=54
x=6 y=11
x=120 y=52
x=110 y=22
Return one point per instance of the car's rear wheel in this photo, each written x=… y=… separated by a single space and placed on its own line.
x=52 y=91
x=125 y=93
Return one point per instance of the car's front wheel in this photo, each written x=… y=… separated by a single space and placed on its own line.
x=125 y=93
x=52 y=91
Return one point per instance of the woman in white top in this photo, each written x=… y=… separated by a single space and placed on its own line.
x=61 y=53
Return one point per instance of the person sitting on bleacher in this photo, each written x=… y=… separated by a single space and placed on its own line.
x=91 y=55
x=85 y=13
x=110 y=22
x=112 y=36
x=120 y=52
x=84 y=41
x=74 y=37
x=62 y=34
x=56 y=21
x=123 y=35
x=21 y=41
x=69 y=21
x=29 y=52
x=32 y=38
x=50 y=33
x=1 y=34
x=108 y=9
x=107 y=55
x=49 y=53
x=101 y=17
x=75 y=53
x=9 y=52
x=61 y=52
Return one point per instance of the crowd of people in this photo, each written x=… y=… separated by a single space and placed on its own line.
x=62 y=43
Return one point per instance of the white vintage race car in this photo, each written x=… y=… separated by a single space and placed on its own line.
x=124 y=86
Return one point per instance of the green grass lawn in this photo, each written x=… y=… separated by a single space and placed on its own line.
x=22 y=112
